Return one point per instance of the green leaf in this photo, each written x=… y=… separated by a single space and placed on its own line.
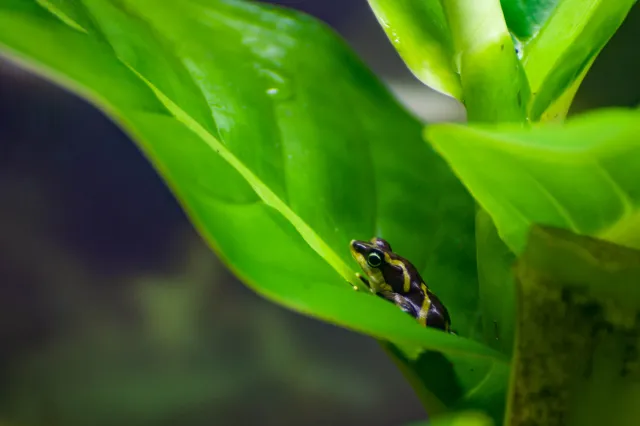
x=279 y=144
x=457 y=384
x=561 y=39
x=448 y=45
x=582 y=176
x=525 y=17
x=578 y=340
x=464 y=418
x=419 y=31
x=497 y=287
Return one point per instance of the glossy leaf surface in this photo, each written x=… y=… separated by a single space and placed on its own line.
x=583 y=176
x=525 y=17
x=280 y=145
x=420 y=33
x=560 y=39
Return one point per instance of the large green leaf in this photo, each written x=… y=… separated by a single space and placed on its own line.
x=583 y=176
x=278 y=142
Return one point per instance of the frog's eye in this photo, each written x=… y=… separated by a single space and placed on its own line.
x=374 y=259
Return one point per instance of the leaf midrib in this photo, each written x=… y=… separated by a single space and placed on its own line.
x=262 y=190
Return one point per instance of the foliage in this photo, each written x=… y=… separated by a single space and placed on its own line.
x=269 y=130
x=589 y=287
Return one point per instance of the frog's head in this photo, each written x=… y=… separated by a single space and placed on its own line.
x=375 y=259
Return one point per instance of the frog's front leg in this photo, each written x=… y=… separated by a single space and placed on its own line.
x=364 y=280
x=395 y=298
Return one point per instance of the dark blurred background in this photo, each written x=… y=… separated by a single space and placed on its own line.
x=114 y=312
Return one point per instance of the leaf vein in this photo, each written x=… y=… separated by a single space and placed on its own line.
x=626 y=200
x=555 y=202
x=261 y=189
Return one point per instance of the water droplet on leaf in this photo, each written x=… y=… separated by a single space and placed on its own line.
x=278 y=86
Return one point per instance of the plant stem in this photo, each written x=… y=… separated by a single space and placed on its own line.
x=494 y=84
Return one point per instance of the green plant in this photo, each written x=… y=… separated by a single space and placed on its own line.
x=282 y=147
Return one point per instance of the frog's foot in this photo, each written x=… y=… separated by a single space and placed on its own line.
x=363 y=279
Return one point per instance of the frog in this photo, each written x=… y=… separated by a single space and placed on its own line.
x=395 y=279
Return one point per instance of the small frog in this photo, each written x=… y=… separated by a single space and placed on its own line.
x=397 y=280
